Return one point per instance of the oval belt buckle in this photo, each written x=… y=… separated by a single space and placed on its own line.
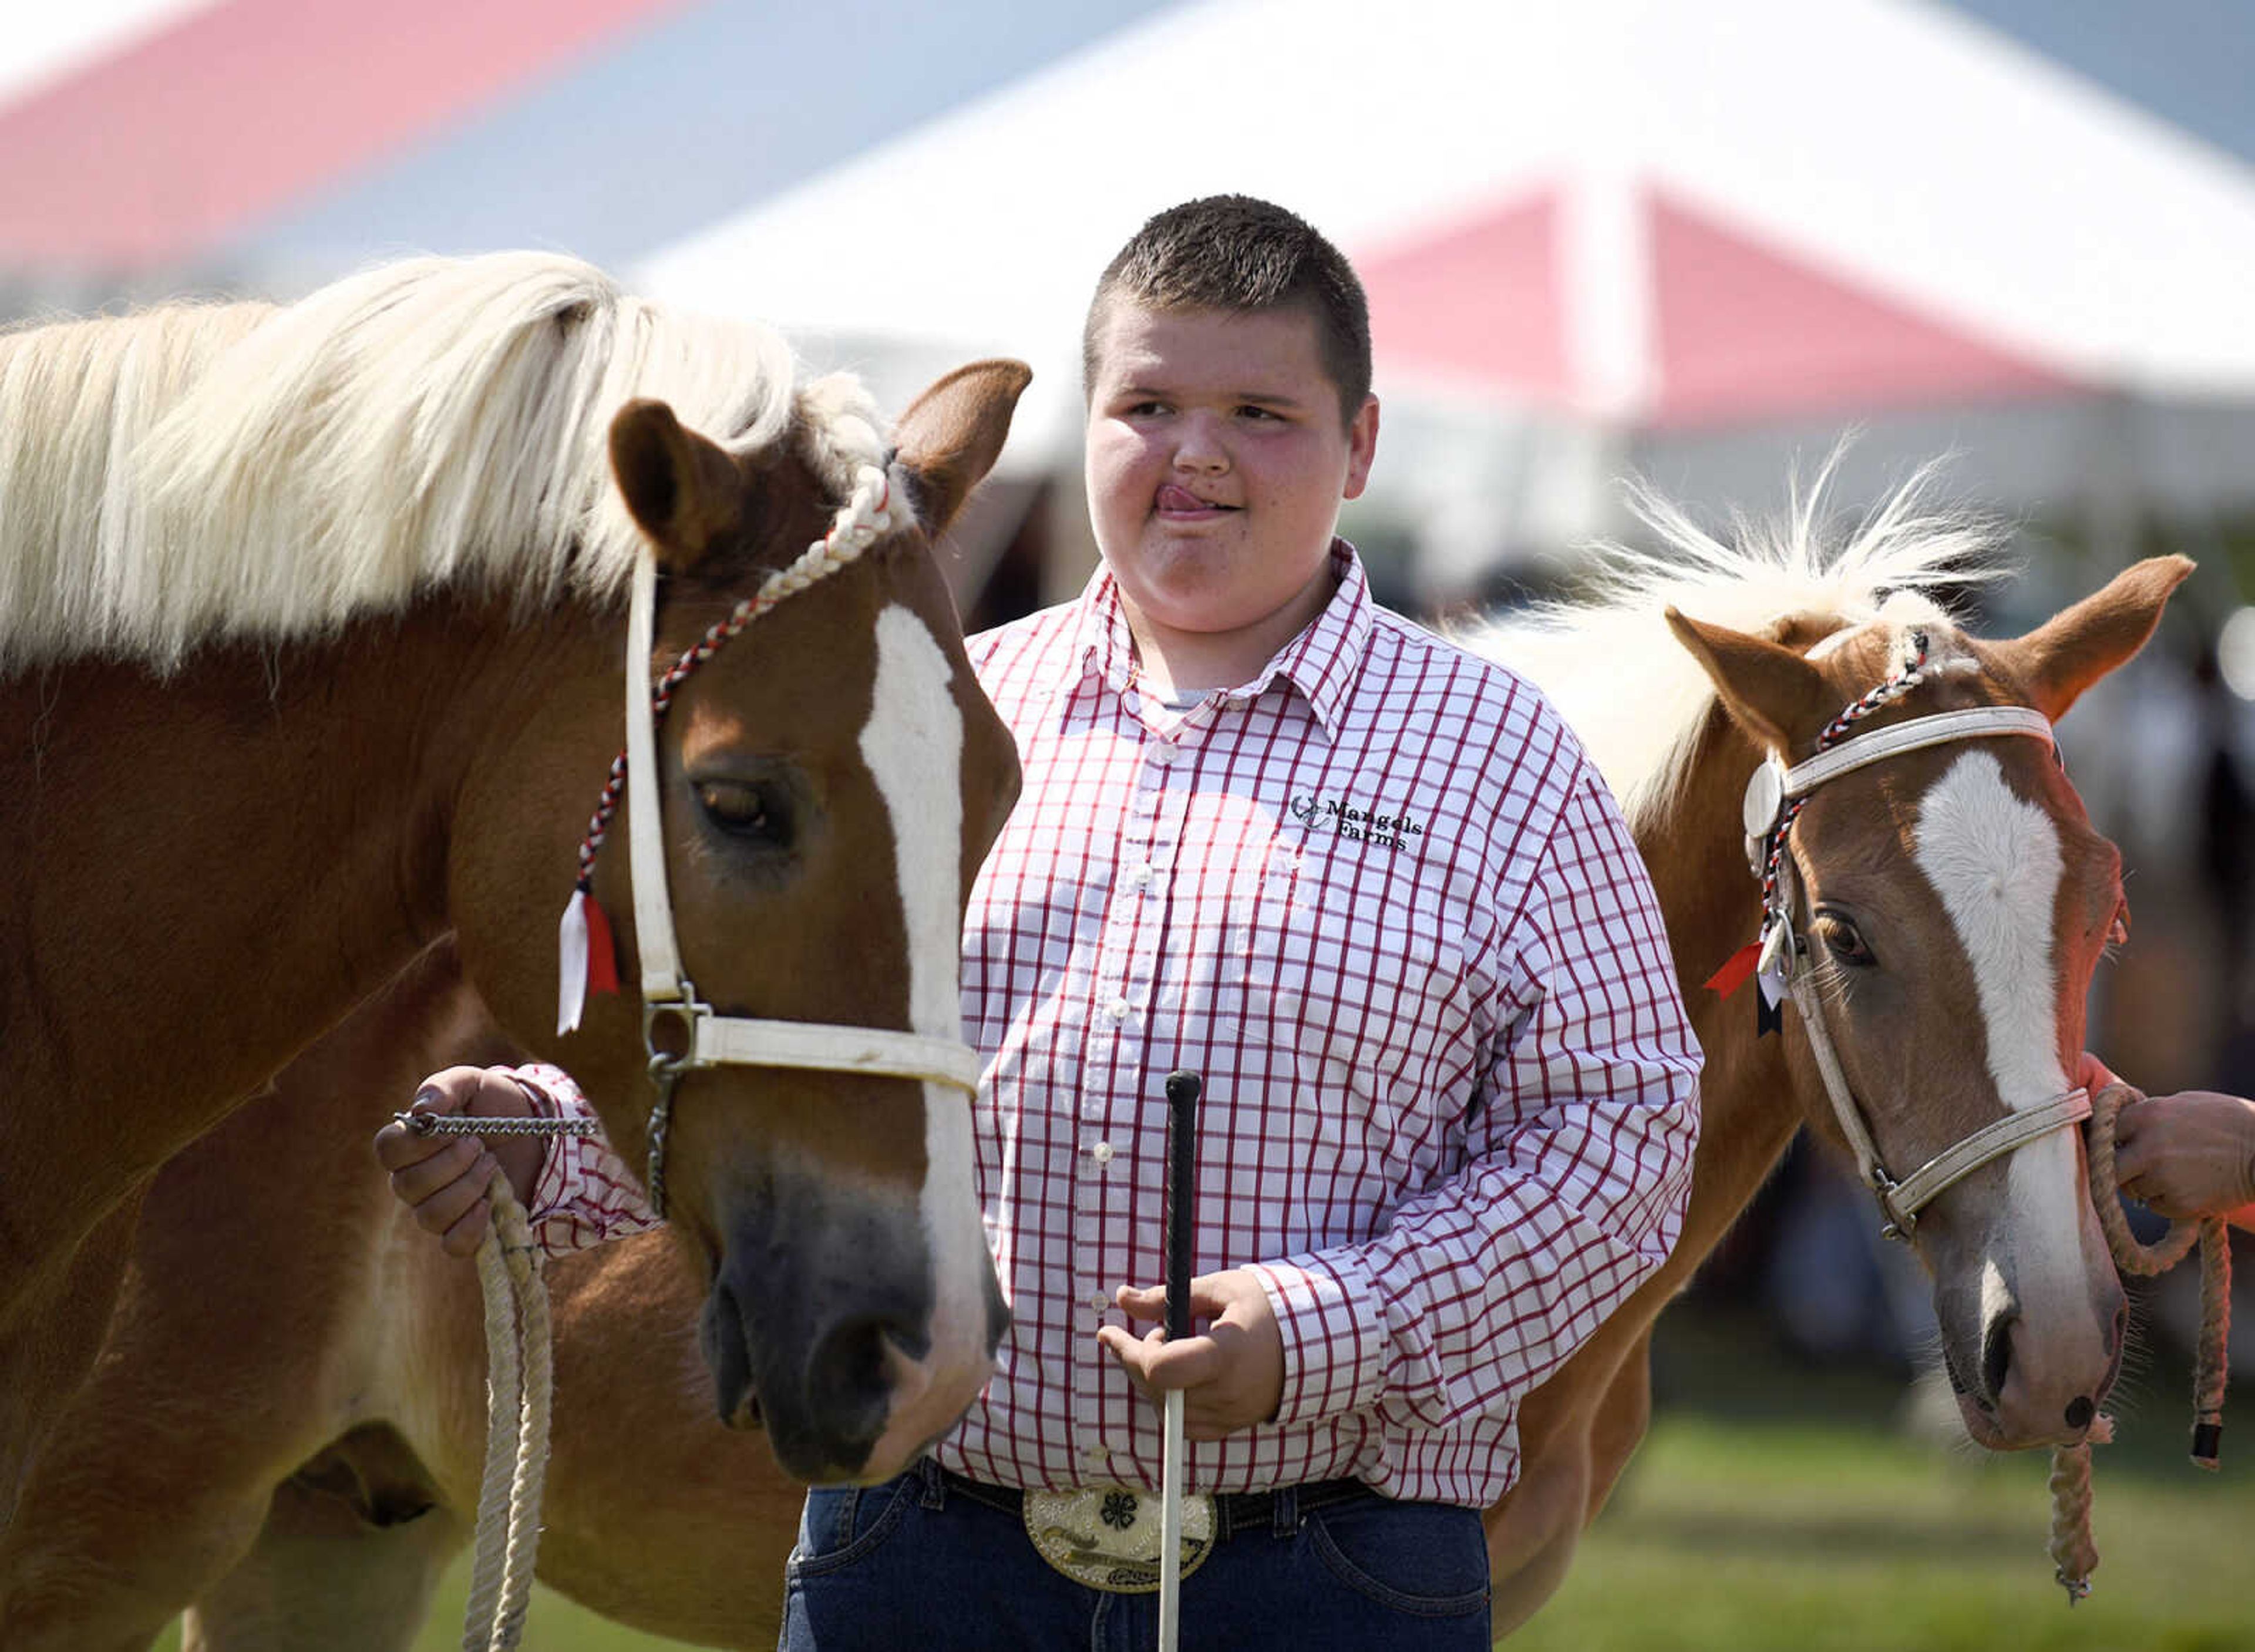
x=1107 y=1536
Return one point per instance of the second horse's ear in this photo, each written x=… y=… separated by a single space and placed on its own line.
x=1773 y=694
x=950 y=435
x=2055 y=663
x=682 y=488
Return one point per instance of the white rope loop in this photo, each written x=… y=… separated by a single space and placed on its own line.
x=517 y=1404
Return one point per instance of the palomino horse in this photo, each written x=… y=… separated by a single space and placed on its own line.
x=312 y=624
x=1961 y=899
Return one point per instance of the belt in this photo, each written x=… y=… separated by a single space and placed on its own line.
x=1233 y=1511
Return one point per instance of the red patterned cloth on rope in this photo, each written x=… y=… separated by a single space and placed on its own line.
x=1381 y=901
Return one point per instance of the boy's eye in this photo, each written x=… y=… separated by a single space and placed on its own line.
x=1251 y=411
x=1146 y=409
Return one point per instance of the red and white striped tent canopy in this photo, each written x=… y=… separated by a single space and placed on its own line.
x=1625 y=233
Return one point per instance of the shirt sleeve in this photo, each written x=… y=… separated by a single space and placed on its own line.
x=585 y=1194
x=1578 y=1173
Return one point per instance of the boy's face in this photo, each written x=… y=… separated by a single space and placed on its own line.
x=1216 y=463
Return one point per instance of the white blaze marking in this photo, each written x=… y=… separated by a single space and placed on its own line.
x=1996 y=863
x=914 y=747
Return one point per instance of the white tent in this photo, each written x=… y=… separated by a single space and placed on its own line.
x=1625 y=233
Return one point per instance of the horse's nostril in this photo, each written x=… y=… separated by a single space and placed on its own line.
x=720 y=1329
x=1997 y=1356
x=849 y=1368
x=2080 y=1410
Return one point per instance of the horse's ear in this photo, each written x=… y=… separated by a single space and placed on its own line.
x=681 y=489
x=1773 y=694
x=2060 y=658
x=949 y=438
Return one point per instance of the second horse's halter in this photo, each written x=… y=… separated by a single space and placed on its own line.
x=1775 y=797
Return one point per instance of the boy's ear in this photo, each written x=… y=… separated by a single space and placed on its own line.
x=1362 y=447
x=682 y=488
x=950 y=435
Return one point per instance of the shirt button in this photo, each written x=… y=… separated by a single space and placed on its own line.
x=1096 y=1454
x=1162 y=755
x=1119 y=1009
x=1101 y=1152
x=1139 y=878
x=1099 y=1302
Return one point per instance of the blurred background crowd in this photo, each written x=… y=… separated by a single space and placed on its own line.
x=1696 y=242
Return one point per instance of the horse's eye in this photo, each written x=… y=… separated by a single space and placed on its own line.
x=743 y=810
x=1842 y=939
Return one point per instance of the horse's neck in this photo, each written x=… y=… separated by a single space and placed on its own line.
x=1712 y=904
x=208 y=869
x=1577 y=1429
x=1748 y=1112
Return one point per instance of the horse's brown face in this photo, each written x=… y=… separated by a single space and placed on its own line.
x=1956 y=903
x=830 y=782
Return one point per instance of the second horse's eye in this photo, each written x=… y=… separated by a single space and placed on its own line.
x=746 y=811
x=1843 y=940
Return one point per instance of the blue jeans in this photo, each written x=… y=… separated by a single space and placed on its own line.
x=929 y=1564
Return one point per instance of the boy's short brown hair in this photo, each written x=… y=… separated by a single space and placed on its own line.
x=1234 y=252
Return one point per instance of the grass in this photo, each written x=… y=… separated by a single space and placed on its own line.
x=1779 y=1510
x=1802 y=1537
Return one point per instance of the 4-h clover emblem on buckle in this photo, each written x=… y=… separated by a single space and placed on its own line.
x=1107 y=1536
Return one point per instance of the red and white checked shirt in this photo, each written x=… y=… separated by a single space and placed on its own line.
x=1378 y=899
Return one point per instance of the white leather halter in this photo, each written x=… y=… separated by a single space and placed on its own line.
x=1772 y=799
x=681 y=1032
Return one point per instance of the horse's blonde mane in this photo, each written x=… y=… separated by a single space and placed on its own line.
x=1637 y=698
x=192 y=474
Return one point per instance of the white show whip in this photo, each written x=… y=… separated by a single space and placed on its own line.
x=1183 y=1087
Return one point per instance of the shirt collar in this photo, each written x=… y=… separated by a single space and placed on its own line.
x=1320 y=662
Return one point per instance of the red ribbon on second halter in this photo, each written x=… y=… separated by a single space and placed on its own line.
x=1737 y=970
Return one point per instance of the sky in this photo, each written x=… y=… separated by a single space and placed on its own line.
x=2189 y=60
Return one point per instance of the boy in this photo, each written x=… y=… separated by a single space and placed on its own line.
x=1370 y=888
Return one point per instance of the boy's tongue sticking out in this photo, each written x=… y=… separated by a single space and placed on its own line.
x=1176 y=501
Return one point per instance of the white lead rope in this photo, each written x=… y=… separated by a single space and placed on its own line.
x=518 y=1391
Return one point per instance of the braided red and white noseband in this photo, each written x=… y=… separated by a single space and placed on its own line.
x=1775 y=797
x=694 y=1033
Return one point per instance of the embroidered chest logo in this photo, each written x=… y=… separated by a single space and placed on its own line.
x=1388 y=830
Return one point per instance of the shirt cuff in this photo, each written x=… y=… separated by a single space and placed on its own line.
x=1329 y=1317
x=585 y=1195
x=553 y=1095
